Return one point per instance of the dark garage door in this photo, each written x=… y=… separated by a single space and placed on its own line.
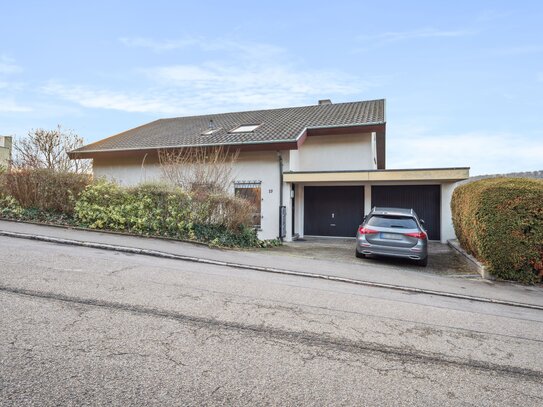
x=333 y=211
x=424 y=199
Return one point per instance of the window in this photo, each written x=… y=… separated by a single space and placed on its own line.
x=251 y=192
x=245 y=128
x=389 y=221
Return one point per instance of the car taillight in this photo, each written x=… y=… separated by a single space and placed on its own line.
x=365 y=231
x=418 y=235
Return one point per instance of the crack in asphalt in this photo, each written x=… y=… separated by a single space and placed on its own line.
x=275 y=334
x=242 y=266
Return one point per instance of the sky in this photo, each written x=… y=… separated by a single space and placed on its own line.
x=463 y=80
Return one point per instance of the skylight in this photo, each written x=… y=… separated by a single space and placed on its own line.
x=245 y=128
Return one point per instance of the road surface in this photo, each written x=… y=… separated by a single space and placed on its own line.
x=81 y=326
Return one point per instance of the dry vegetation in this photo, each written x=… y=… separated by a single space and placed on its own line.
x=208 y=170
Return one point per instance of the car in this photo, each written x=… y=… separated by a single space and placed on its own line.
x=393 y=232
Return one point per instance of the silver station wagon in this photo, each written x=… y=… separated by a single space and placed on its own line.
x=393 y=232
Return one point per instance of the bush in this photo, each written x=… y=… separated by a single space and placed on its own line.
x=44 y=190
x=157 y=209
x=500 y=222
x=9 y=207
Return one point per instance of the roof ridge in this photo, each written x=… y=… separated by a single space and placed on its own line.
x=274 y=109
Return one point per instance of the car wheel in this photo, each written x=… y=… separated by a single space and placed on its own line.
x=423 y=262
x=360 y=255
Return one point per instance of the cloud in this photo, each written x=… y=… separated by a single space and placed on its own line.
x=8 y=66
x=243 y=49
x=10 y=106
x=157 y=45
x=260 y=84
x=107 y=99
x=485 y=153
x=395 y=36
x=244 y=76
x=518 y=50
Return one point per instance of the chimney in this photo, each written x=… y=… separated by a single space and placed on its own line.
x=325 y=102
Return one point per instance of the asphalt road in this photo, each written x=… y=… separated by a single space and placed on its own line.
x=81 y=326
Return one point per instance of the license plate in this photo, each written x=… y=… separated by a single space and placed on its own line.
x=391 y=236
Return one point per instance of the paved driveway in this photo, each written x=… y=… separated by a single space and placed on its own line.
x=442 y=259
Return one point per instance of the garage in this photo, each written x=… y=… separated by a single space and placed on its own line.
x=333 y=210
x=424 y=199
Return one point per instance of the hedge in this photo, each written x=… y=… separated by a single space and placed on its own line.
x=500 y=222
x=44 y=189
x=149 y=209
x=161 y=210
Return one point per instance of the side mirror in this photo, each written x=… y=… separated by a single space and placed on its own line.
x=422 y=221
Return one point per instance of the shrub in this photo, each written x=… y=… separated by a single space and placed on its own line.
x=45 y=190
x=157 y=209
x=500 y=222
x=9 y=207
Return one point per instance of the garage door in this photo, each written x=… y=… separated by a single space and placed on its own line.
x=333 y=211
x=424 y=199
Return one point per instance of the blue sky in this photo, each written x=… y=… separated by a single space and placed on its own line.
x=463 y=80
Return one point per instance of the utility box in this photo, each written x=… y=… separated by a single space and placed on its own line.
x=282 y=221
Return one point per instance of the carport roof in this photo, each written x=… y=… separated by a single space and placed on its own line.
x=394 y=175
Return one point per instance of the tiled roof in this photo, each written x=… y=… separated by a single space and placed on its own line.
x=276 y=125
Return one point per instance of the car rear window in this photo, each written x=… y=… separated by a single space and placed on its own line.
x=389 y=221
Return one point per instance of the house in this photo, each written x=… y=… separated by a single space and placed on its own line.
x=5 y=151
x=312 y=170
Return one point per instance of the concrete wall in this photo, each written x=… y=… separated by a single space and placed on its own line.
x=447 y=228
x=334 y=153
x=250 y=166
x=5 y=151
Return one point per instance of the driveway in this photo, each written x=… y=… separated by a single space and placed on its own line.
x=443 y=260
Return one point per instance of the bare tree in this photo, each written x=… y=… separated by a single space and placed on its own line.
x=199 y=169
x=48 y=149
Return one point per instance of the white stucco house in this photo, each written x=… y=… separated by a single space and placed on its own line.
x=311 y=170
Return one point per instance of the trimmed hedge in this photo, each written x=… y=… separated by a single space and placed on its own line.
x=161 y=210
x=500 y=222
x=149 y=209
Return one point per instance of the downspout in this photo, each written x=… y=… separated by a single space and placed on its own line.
x=280 y=191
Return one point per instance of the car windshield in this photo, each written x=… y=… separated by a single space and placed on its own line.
x=389 y=221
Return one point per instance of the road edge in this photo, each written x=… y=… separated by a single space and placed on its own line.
x=171 y=256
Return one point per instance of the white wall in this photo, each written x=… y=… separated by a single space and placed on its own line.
x=251 y=166
x=263 y=166
x=127 y=171
x=334 y=153
x=447 y=228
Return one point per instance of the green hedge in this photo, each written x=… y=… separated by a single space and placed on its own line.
x=149 y=209
x=500 y=222
x=161 y=210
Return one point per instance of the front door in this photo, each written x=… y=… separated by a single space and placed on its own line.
x=333 y=211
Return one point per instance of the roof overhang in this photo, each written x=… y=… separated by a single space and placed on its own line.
x=274 y=145
x=403 y=175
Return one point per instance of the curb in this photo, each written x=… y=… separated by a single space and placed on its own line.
x=481 y=268
x=165 y=255
x=106 y=231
